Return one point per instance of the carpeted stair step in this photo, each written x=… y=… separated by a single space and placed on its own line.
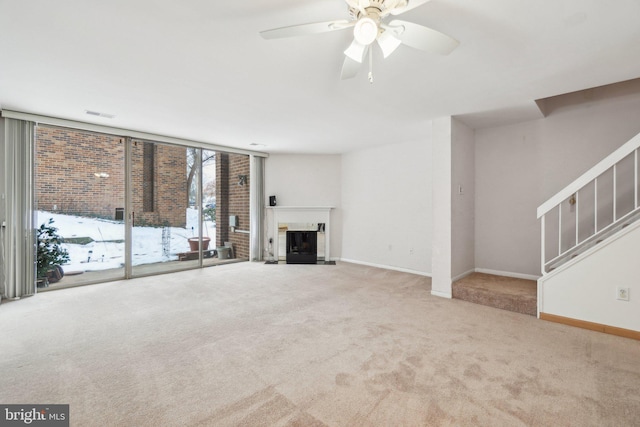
x=507 y=293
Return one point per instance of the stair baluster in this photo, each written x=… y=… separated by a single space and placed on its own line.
x=621 y=203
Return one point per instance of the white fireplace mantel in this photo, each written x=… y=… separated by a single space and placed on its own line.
x=301 y=214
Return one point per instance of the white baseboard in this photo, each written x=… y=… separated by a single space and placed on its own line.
x=453 y=279
x=441 y=294
x=386 y=267
x=463 y=275
x=507 y=274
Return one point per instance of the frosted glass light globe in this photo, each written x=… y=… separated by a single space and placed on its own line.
x=365 y=31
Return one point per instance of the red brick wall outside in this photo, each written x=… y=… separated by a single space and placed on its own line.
x=169 y=184
x=232 y=199
x=67 y=159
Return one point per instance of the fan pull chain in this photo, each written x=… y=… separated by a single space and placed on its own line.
x=371 y=66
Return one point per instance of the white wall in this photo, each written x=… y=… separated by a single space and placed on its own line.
x=386 y=203
x=587 y=290
x=518 y=167
x=306 y=180
x=462 y=205
x=507 y=196
x=453 y=211
x=441 y=278
x=384 y=194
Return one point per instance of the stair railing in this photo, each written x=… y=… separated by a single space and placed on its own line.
x=629 y=152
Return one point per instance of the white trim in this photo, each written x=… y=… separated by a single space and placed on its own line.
x=543 y=232
x=124 y=132
x=301 y=208
x=560 y=229
x=577 y=204
x=304 y=214
x=590 y=175
x=463 y=275
x=615 y=192
x=606 y=242
x=608 y=229
x=507 y=274
x=595 y=207
x=458 y=277
x=635 y=180
x=441 y=294
x=386 y=267
x=540 y=301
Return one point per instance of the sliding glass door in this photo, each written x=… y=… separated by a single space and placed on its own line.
x=165 y=213
x=79 y=197
x=123 y=207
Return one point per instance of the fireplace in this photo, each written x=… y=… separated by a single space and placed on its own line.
x=302 y=247
x=314 y=219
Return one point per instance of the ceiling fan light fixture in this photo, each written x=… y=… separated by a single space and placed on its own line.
x=367 y=17
x=365 y=31
x=356 y=51
x=388 y=43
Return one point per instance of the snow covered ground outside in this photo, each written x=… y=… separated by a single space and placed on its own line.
x=106 y=251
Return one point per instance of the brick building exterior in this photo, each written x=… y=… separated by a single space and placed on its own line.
x=66 y=163
x=159 y=184
x=233 y=199
x=82 y=173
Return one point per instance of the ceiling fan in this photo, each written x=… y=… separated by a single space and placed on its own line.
x=368 y=20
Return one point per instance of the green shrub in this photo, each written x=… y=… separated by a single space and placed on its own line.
x=50 y=252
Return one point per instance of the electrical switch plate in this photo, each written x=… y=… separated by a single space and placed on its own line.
x=622 y=293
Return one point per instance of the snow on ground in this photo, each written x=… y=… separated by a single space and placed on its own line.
x=107 y=249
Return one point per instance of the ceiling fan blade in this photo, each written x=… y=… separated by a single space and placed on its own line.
x=392 y=4
x=356 y=51
x=359 y=5
x=388 y=42
x=411 y=4
x=304 y=29
x=349 y=68
x=423 y=38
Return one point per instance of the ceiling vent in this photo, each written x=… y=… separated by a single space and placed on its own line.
x=98 y=114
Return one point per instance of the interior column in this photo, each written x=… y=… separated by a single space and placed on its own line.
x=453 y=250
x=441 y=250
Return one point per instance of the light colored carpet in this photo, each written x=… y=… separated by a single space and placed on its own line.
x=507 y=293
x=306 y=345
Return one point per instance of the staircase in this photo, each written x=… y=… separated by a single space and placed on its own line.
x=590 y=241
x=590 y=250
x=597 y=205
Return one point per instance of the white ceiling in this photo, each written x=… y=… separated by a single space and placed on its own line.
x=198 y=69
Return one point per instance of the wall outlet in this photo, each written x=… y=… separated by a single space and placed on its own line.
x=622 y=293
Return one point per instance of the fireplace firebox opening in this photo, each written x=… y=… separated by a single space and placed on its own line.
x=302 y=247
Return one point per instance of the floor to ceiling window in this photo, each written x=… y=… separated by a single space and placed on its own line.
x=165 y=217
x=233 y=195
x=80 y=191
x=127 y=207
